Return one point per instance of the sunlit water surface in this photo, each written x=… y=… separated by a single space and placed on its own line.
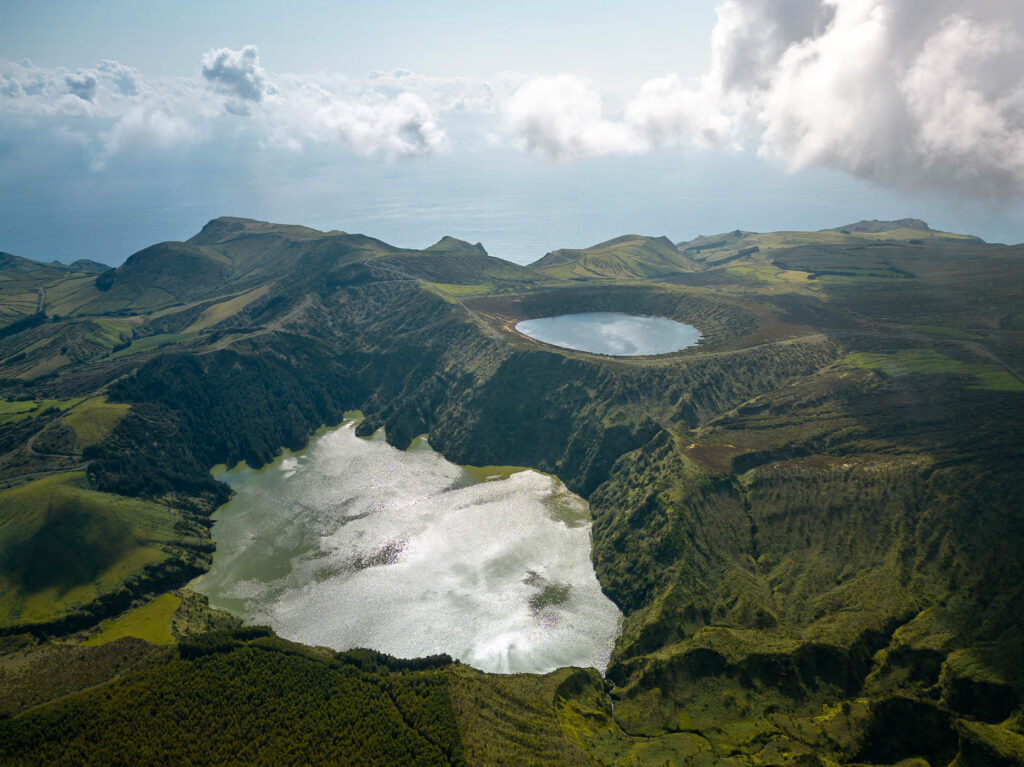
x=614 y=333
x=353 y=543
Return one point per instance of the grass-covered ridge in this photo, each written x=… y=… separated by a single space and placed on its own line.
x=810 y=521
x=65 y=545
x=632 y=257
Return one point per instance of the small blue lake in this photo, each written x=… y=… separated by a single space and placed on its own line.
x=612 y=333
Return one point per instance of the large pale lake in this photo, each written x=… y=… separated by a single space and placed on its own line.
x=352 y=543
x=613 y=333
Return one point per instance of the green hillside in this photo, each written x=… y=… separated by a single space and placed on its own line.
x=717 y=250
x=158 y=276
x=810 y=521
x=64 y=547
x=630 y=257
x=22 y=279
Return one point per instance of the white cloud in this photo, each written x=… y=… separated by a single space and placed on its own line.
x=562 y=118
x=238 y=75
x=977 y=135
x=667 y=113
x=102 y=92
x=125 y=78
x=908 y=93
x=144 y=130
x=751 y=35
x=915 y=93
x=28 y=89
x=442 y=94
x=399 y=127
x=82 y=85
x=378 y=116
x=112 y=109
x=396 y=73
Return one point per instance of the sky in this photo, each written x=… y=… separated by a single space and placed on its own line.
x=527 y=126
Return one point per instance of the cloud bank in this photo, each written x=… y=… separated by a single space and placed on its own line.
x=561 y=118
x=112 y=110
x=380 y=116
x=908 y=93
x=911 y=94
x=400 y=126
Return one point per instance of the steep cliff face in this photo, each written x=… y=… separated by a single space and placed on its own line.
x=810 y=521
x=767 y=518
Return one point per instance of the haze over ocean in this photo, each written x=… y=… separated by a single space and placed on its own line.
x=682 y=119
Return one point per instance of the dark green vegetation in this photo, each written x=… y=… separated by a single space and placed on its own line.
x=811 y=522
x=243 y=697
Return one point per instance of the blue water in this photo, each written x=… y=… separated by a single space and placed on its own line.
x=518 y=207
x=613 y=333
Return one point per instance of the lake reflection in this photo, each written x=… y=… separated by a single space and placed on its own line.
x=353 y=543
x=613 y=333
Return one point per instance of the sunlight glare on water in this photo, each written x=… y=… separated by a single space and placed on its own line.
x=353 y=543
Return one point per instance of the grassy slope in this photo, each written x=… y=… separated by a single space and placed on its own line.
x=93 y=419
x=624 y=258
x=740 y=533
x=457 y=268
x=929 y=362
x=791 y=551
x=150 y=622
x=18 y=410
x=221 y=311
x=718 y=249
x=20 y=280
x=65 y=544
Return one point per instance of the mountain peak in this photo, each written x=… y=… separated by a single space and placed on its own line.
x=88 y=265
x=454 y=245
x=219 y=229
x=874 y=226
x=228 y=227
x=631 y=256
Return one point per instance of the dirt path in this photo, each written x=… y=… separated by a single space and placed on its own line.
x=31 y=446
